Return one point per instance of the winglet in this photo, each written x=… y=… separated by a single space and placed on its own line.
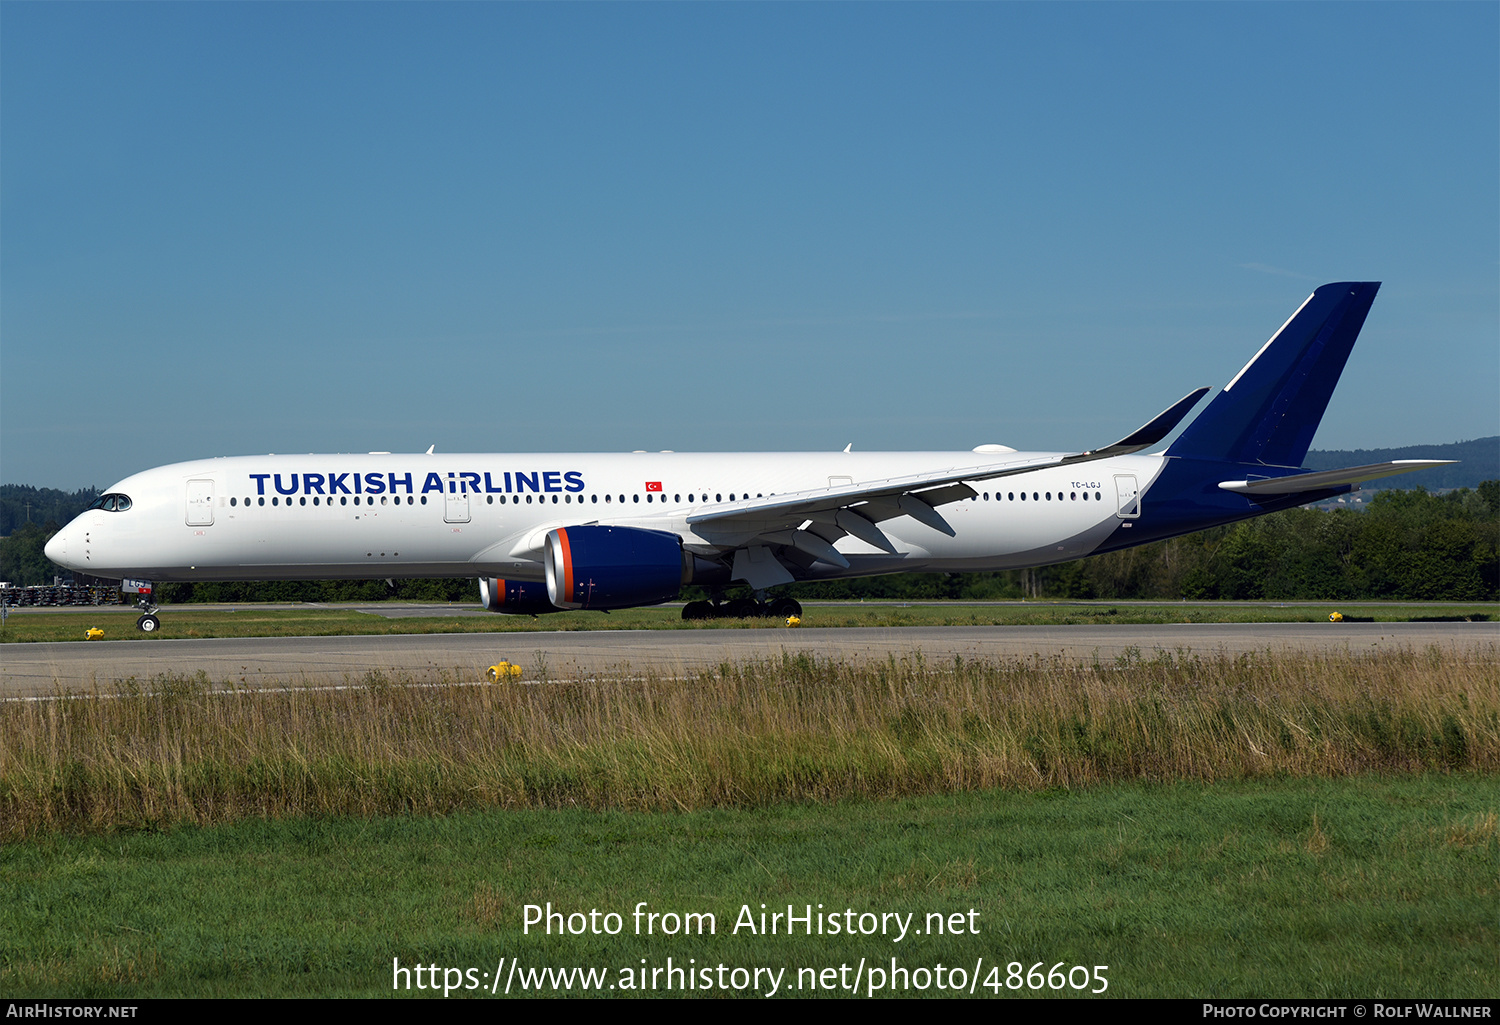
x=1148 y=435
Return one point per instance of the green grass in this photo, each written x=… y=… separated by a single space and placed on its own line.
x=1260 y=826
x=755 y=734
x=27 y=625
x=1369 y=886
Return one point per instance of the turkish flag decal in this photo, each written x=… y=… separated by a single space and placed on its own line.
x=653 y=485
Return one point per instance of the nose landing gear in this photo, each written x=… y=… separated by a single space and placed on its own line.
x=147 y=623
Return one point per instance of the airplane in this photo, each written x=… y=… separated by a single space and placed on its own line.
x=545 y=533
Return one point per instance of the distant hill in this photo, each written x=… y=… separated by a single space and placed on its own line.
x=1479 y=460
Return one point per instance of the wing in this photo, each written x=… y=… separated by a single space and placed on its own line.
x=857 y=509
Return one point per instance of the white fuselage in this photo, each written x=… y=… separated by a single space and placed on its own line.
x=384 y=516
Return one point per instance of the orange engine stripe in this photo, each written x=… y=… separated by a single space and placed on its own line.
x=567 y=567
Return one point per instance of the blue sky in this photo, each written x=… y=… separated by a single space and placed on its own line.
x=230 y=229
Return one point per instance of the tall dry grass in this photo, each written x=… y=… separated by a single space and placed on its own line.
x=798 y=729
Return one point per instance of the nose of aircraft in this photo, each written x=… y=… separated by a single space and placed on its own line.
x=57 y=548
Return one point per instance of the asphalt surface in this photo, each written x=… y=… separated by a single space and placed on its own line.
x=37 y=669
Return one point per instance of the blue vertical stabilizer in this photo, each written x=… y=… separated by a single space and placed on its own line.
x=1270 y=411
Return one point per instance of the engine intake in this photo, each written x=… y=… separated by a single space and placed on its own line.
x=598 y=567
x=515 y=597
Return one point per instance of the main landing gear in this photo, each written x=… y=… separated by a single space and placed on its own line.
x=742 y=608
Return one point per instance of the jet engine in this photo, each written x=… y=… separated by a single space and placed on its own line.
x=515 y=597
x=597 y=567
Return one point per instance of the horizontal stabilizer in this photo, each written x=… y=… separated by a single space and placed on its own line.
x=1328 y=478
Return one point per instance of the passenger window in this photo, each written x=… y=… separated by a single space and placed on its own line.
x=635 y=498
x=1023 y=496
x=677 y=498
x=489 y=499
x=382 y=500
x=528 y=499
x=345 y=501
x=719 y=498
x=274 y=500
x=232 y=501
x=608 y=498
x=593 y=499
x=261 y=501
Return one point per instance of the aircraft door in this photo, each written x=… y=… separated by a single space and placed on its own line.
x=456 y=504
x=200 y=503
x=1128 y=493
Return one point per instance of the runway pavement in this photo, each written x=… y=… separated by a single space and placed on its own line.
x=31 y=669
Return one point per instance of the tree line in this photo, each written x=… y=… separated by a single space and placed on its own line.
x=1404 y=545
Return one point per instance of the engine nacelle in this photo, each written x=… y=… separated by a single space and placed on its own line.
x=613 y=567
x=515 y=597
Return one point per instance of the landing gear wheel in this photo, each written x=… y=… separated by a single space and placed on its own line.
x=741 y=608
x=148 y=624
x=785 y=608
x=697 y=610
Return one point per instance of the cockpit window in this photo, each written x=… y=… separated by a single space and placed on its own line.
x=111 y=503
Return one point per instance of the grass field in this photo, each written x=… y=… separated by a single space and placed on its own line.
x=745 y=735
x=1372 y=886
x=1266 y=825
x=118 y=623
